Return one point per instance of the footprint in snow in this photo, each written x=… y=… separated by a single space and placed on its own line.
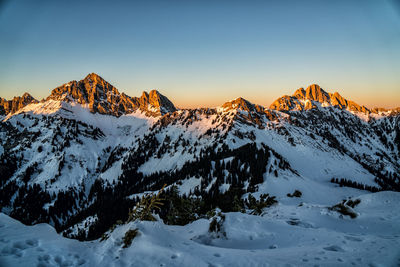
x=17 y=248
x=81 y=262
x=217 y=255
x=11 y=251
x=5 y=241
x=32 y=242
x=334 y=248
x=43 y=259
x=48 y=260
x=20 y=245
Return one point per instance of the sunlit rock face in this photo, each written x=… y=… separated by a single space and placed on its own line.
x=307 y=99
x=18 y=102
x=101 y=97
x=155 y=103
x=241 y=104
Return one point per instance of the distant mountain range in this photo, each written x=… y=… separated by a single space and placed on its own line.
x=101 y=97
x=79 y=158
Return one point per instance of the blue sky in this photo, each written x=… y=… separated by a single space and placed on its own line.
x=203 y=53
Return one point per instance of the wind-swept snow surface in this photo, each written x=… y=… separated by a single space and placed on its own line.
x=289 y=234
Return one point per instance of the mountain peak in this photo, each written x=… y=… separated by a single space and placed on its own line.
x=27 y=96
x=94 y=91
x=316 y=93
x=307 y=99
x=155 y=103
x=18 y=102
x=102 y=97
x=93 y=76
x=154 y=93
x=240 y=104
x=313 y=92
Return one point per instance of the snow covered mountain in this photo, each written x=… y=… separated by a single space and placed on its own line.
x=79 y=159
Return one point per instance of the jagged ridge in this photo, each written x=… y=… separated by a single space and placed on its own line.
x=18 y=102
x=102 y=97
x=307 y=99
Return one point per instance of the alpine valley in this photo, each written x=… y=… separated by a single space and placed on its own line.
x=312 y=180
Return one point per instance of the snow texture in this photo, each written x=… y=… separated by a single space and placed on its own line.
x=286 y=235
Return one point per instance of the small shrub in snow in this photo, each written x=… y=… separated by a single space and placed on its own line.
x=258 y=205
x=211 y=213
x=353 y=203
x=237 y=205
x=143 y=210
x=346 y=207
x=217 y=225
x=129 y=236
x=296 y=193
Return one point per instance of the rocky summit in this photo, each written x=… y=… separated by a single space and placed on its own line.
x=18 y=102
x=102 y=97
x=313 y=95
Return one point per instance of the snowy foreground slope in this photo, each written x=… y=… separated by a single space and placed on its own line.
x=286 y=235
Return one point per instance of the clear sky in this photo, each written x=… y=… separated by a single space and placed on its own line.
x=204 y=53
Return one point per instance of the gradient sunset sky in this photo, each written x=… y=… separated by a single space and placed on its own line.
x=204 y=53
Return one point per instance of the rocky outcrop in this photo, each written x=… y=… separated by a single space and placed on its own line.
x=242 y=104
x=239 y=103
x=18 y=102
x=389 y=112
x=307 y=99
x=101 y=97
x=155 y=103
